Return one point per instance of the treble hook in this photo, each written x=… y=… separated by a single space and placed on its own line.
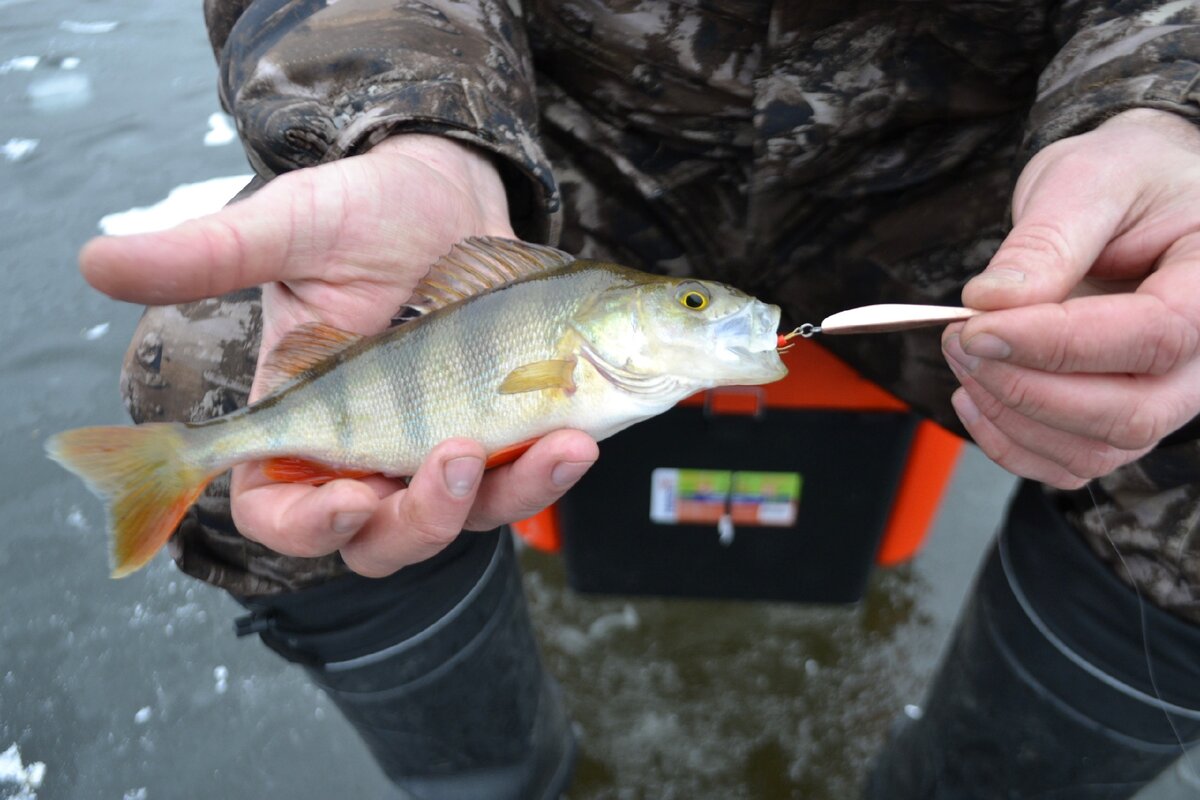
x=805 y=331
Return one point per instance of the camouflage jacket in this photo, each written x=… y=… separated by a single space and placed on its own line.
x=821 y=154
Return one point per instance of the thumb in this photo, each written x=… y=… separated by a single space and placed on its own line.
x=244 y=244
x=1062 y=221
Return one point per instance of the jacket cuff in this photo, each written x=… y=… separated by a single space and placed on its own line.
x=1100 y=74
x=286 y=133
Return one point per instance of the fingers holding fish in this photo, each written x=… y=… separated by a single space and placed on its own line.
x=297 y=519
x=538 y=478
x=415 y=523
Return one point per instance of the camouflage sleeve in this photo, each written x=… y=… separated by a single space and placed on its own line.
x=1116 y=57
x=310 y=81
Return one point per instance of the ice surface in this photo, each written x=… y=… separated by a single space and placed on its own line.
x=19 y=149
x=60 y=92
x=74 y=26
x=15 y=775
x=220 y=131
x=181 y=204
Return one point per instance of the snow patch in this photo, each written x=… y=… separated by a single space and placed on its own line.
x=220 y=130
x=95 y=332
x=19 y=64
x=18 y=149
x=60 y=92
x=76 y=519
x=182 y=203
x=625 y=619
x=26 y=778
x=92 y=28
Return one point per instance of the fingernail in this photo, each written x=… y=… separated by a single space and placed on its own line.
x=566 y=473
x=953 y=349
x=347 y=522
x=968 y=412
x=461 y=474
x=986 y=345
x=1002 y=276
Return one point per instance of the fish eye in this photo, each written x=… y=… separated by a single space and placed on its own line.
x=694 y=299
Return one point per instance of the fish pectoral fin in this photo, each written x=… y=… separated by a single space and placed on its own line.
x=301 y=350
x=289 y=469
x=555 y=373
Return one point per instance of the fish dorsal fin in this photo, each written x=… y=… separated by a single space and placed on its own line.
x=479 y=264
x=301 y=350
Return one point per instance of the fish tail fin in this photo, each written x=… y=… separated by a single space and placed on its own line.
x=143 y=475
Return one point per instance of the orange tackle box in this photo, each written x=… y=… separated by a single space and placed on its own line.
x=790 y=491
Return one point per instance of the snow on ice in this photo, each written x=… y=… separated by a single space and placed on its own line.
x=181 y=204
x=26 y=778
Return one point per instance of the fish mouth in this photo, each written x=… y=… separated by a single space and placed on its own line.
x=755 y=329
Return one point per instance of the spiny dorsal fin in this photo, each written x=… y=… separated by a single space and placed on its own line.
x=479 y=264
x=552 y=374
x=301 y=350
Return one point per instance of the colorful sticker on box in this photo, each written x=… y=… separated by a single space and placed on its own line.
x=705 y=497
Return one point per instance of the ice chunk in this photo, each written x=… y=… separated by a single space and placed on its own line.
x=76 y=519
x=70 y=62
x=220 y=131
x=135 y=794
x=60 y=92
x=221 y=676
x=18 y=149
x=913 y=711
x=74 y=26
x=143 y=715
x=181 y=204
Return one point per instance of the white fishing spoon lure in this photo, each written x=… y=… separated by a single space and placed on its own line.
x=882 y=319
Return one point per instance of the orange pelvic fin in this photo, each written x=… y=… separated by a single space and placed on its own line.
x=508 y=454
x=144 y=477
x=287 y=469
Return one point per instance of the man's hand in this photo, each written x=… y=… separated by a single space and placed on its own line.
x=1092 y=352
x=345 y=243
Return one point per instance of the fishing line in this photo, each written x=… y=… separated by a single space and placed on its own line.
x=1183 y=749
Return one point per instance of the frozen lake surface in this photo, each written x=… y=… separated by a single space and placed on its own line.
x=138 y=689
